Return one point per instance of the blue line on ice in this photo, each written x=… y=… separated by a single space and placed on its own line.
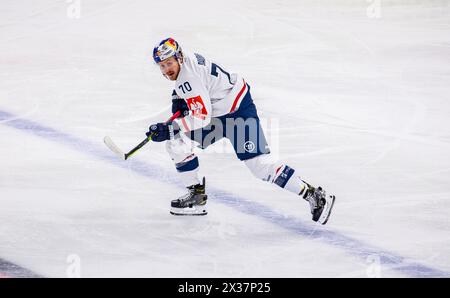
x=335 y=239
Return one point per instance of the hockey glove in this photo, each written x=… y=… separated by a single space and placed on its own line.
x=179 y=104
x=160 y=132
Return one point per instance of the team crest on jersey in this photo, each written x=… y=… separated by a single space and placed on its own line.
x=197 y=107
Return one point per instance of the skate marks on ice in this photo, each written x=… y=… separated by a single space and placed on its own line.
x=350 y=245
x=10 y=270
x=353 y=247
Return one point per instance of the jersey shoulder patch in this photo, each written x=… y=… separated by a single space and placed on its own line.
x=200 y=59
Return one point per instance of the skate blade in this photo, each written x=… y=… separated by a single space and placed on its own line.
x=189 y=211
x=323 y=219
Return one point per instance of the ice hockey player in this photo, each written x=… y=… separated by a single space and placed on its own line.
x=216 y=104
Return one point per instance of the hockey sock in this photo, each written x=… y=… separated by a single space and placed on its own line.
x=285 y=178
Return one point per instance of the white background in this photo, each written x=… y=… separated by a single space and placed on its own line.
x=359 y=91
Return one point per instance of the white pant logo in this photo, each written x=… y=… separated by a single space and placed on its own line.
x=249 y=146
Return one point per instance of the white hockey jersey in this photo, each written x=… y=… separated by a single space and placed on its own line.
x=208 y=89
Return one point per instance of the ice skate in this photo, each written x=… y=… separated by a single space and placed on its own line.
x=192 y=203
x=321 y=204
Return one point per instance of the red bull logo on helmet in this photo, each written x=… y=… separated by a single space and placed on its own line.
x=166 y=49
x=171 y=43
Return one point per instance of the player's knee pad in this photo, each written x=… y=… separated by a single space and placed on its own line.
x=178 y=150
x=182 y=155
x=186 y=162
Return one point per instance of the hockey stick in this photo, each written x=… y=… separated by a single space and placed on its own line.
x=114 y=148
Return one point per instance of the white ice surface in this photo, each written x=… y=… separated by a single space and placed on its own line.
x=361 y=106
